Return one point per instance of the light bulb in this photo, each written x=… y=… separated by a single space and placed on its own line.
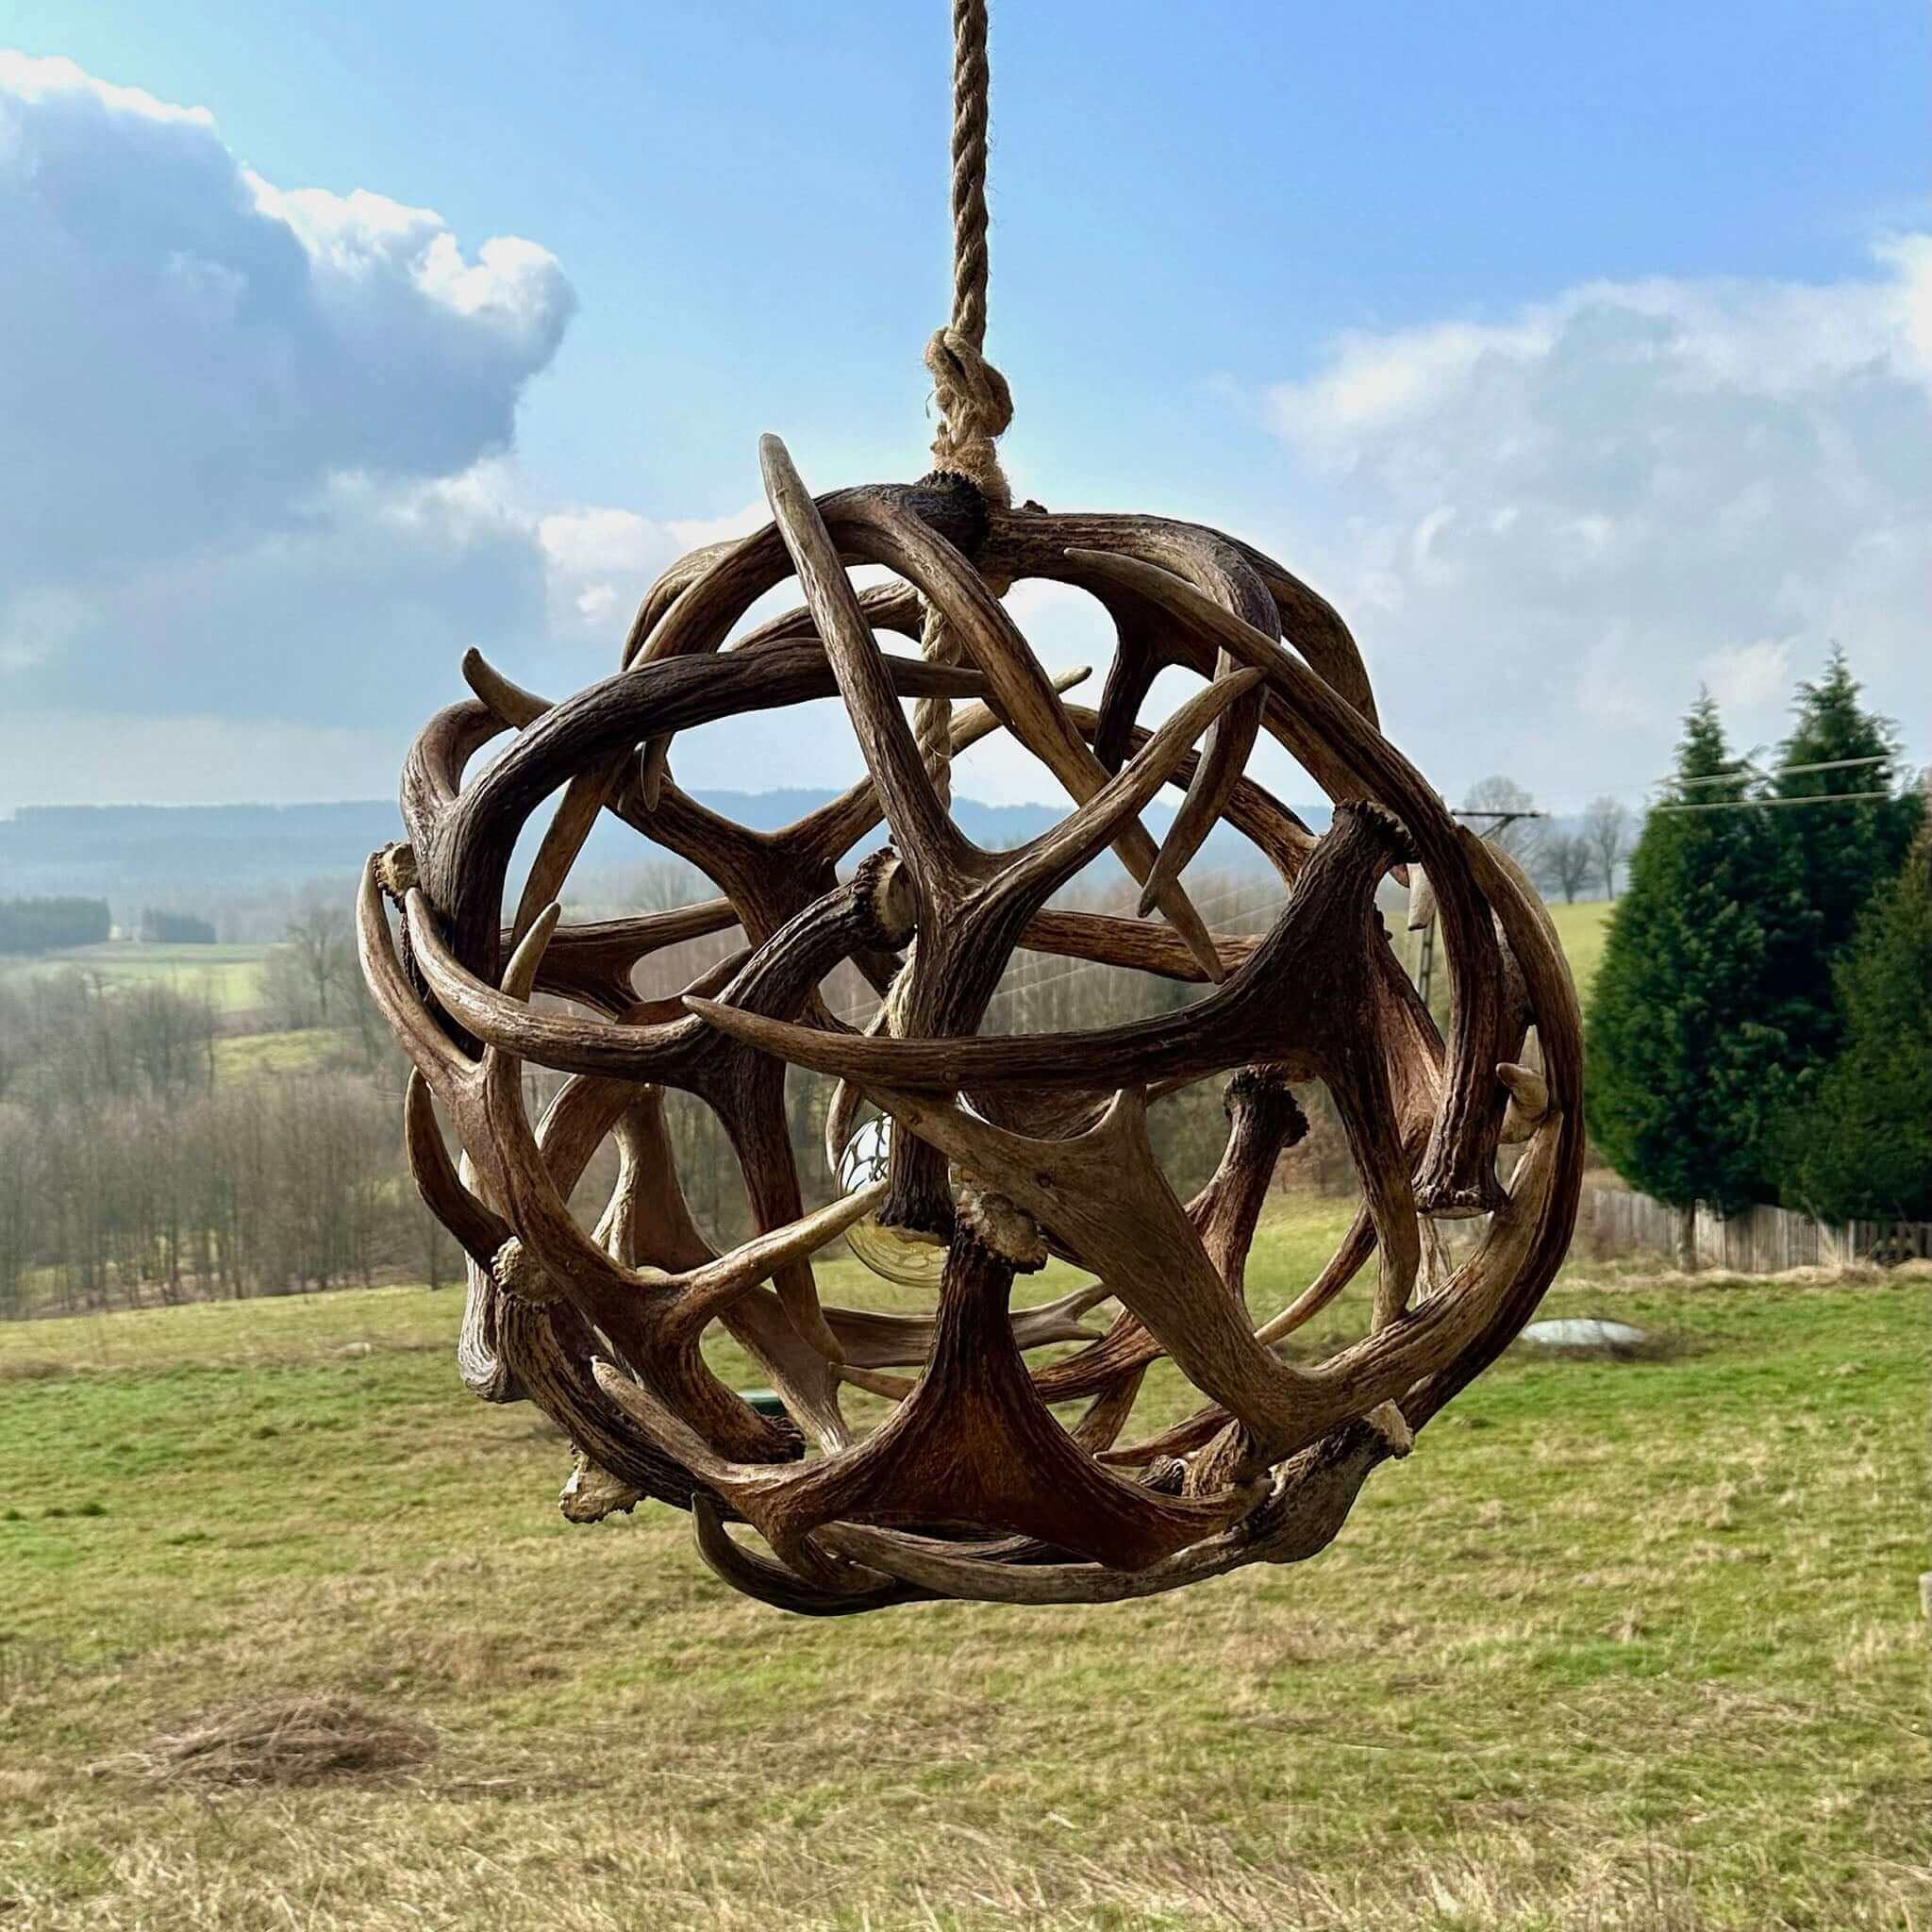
x=893 y=1254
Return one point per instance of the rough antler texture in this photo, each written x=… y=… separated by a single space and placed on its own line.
x=1007 y=1149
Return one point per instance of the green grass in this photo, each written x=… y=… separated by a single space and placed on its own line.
x=1622 y=1644
x=230 y=974
x=242 y=1055
x=1582 y=928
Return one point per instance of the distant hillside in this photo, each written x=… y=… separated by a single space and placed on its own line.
x=180 y=852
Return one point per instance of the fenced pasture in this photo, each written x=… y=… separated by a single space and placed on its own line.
x=1623 y=1644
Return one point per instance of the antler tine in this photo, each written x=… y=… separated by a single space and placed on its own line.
x=662 y=597
x=479 y=1232
x=1342 y=1267
x=833 y=828
x=1111 y=941
x=706 y=1292
x=932 y=845
x=434 y=766
x=868 y=1341
x=1040 y=868
x=1316 y=630
x=1251 y=809
x=431 y=1050
x=736 y=574
x=1136 y=665
x=1360 y=1087
x=1222 y=765
x=576 y=814
x=593 y=964
x=1529 y=1100
x=1458 y=1174
x=1222 y=573
x=887 y=606
x=499 y=695
x=884 y=533
x=771 y=1583
x=570 y=1043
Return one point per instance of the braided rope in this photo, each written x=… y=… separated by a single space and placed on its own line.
x=975 y=403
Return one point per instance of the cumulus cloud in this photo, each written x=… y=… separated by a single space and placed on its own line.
x=1550 y=528
x=602 y=560
x=248 y=435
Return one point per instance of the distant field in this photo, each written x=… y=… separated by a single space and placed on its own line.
x=1621 y=1645
x=231 y=975
x=1582 y=928
x=245 y=1054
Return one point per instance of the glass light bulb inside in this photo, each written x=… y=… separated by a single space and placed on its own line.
x=912 y=1260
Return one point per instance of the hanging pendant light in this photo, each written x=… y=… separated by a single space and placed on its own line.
x=893 y=1254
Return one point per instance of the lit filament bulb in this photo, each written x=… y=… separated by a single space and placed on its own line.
x=894 y=1254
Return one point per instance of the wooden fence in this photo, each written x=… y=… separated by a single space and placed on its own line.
x=1761 y=1240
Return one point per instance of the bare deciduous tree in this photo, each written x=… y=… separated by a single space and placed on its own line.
x=1607 y=831
x=1566 y=863
x=310 y=980
x=1495 y=800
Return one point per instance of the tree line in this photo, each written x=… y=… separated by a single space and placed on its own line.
x=149 y=1154
x=133 y=1167
x=1760 y=1028
x=52 y=926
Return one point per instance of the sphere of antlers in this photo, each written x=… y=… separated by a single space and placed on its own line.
x=1007 y=1149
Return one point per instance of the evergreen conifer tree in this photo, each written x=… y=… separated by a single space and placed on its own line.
x=1683 y=1036
x=1836 y=855
x=1862 y=1148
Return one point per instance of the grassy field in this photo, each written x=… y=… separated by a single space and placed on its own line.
x=1582 y=928
x=1623 y=1645
x=230 y=974
x=240 y=1054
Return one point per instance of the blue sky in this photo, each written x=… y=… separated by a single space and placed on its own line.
x=1580 y=354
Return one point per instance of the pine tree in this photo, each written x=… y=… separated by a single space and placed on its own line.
x=1862 y=1149
x=1839 y=853
x=1684 y=1039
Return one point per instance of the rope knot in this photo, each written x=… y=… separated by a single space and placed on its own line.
x=976 y=405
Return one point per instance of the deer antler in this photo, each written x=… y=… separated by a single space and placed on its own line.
x=1006 y=1147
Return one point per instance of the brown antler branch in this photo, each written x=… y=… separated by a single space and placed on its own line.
x=971 y=1487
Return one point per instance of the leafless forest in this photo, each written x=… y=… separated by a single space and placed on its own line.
x=157 y=1147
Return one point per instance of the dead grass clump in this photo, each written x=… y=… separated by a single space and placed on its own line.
x=288 y=1740
x=34 y=1369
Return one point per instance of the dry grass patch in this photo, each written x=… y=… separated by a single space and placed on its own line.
x=285 y=1741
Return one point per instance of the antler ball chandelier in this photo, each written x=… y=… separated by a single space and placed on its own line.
x=1009 y=1469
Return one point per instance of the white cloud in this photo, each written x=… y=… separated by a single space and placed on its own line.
x=1550 y=528
x=1749 y=678
x=602 y=560
x=249 y=436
